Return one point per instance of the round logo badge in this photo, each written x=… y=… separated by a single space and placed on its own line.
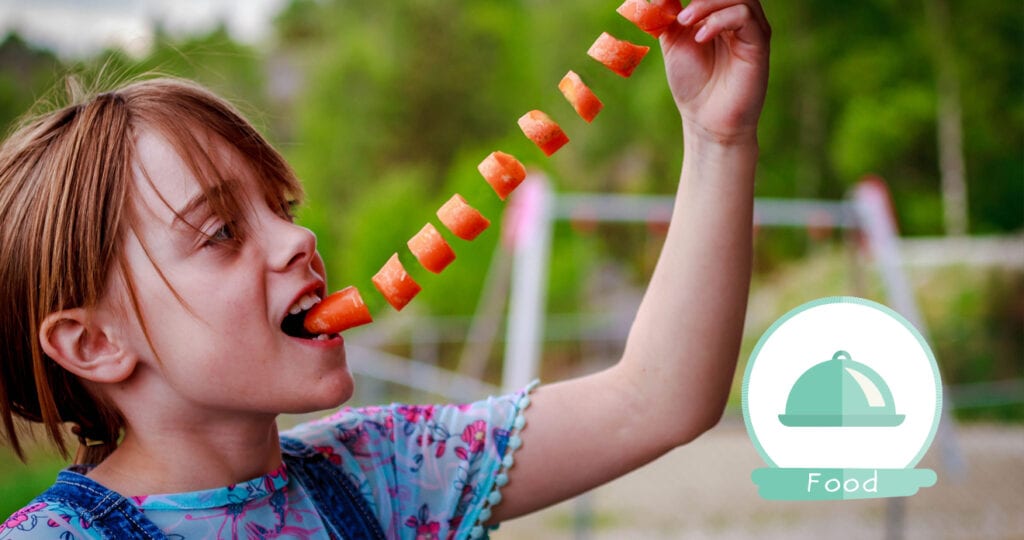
x=841 y=398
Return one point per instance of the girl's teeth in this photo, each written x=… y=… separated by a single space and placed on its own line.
x=304 y=303
x=321 y=337
x=309 y=301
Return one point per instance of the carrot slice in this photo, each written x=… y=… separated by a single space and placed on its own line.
x=503 y=172
x=338 y=312
x=580 y=96
x=462 y=219
x=653 y=17
x=543 y=131
x=395 y=283
x=618 y=55
x=431 y=249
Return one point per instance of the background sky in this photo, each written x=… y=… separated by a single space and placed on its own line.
x=77 y=28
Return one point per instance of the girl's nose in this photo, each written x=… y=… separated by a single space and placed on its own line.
x=290 y=245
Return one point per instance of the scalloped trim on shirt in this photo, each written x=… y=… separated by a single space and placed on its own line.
x=480 y=530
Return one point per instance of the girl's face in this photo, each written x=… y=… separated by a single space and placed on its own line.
x=220 y=342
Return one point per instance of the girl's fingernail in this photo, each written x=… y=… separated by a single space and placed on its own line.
x=686 y=15
x=701 y=34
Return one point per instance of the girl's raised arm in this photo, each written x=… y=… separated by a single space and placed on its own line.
x=675 y=373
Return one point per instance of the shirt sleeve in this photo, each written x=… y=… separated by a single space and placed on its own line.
x=426 y=469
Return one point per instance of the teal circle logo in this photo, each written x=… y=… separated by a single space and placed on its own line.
x=841 y=398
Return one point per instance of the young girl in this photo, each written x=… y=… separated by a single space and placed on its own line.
x=150 y=269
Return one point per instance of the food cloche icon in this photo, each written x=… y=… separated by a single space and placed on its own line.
x=839 y=393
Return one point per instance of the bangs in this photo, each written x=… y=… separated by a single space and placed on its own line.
x=225 y=177
x=219 y=147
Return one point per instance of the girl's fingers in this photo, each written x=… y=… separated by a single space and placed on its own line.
x=699 y=10
x=738 y=18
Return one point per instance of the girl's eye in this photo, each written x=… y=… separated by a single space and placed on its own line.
x=223 y=235
x=287 y=210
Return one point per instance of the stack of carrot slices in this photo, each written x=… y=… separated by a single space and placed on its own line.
x=346 y=309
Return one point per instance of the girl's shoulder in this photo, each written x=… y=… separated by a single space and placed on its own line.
x=47 y=519
x=424 y=468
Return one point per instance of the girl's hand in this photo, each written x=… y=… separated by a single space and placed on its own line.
x=717 y=65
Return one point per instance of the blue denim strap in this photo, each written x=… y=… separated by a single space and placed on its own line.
x=112 y=515
x=343 y=509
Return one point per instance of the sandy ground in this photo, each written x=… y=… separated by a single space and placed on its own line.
x=704 y=490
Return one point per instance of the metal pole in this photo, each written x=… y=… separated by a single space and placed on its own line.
x=531 y=226
x=876 y=218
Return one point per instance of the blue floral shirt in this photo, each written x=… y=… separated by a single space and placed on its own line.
x=427 y=471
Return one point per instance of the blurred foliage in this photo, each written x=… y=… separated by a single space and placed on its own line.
x=384 y=110
x=30 y=77
x=26 y=73
x=18 y=483
x=384 y=107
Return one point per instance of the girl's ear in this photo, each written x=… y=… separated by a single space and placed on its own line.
x=74 y=339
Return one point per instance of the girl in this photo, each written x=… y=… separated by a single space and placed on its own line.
x=150 y=269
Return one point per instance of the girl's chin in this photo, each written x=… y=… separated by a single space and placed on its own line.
x=332 y=392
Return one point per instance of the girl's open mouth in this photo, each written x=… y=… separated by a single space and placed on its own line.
x=294 y=323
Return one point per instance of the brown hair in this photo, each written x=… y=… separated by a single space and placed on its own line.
x=65 y=190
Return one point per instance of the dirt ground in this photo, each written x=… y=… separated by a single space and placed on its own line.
x=703 y=490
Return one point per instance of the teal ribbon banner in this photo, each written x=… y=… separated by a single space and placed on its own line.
x=839 y=484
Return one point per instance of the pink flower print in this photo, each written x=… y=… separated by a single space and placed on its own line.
x=475 y=436
x=429 y=531
x=21 y=516
x=424 y=441
x=389 y=424
x=386 y=427
x=279 y=472
x=416 y=413
x=425 y=529
x=67 y=519
x=18 y=518
x=357 y=440
x=328 y=452
x=370 y=410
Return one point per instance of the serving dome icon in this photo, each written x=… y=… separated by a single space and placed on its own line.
x=840 y=393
